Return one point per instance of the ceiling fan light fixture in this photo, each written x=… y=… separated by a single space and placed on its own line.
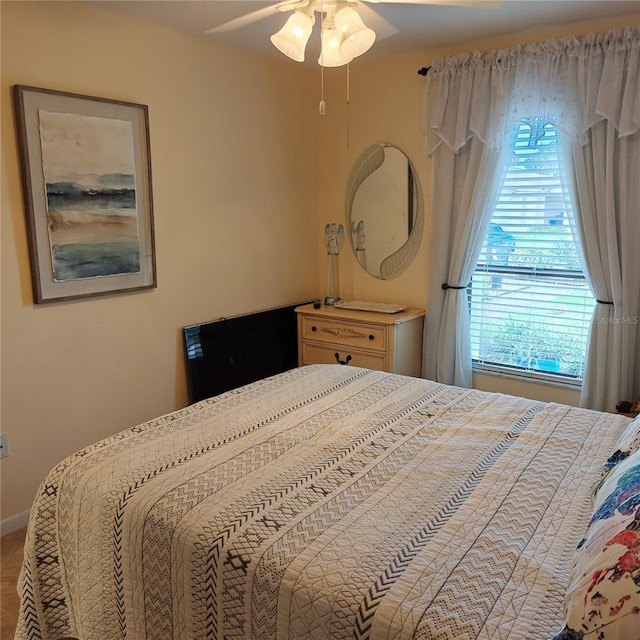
x=293 y=37
x=330 y=56
x=357 y=38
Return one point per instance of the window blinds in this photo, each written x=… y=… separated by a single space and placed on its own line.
x=530 y=306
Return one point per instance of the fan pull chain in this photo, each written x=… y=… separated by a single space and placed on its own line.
x=348 y=101
x=321 y=106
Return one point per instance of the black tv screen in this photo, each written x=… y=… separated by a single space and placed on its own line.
x=227 y=353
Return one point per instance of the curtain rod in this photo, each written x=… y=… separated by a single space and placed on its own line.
x=423 y=71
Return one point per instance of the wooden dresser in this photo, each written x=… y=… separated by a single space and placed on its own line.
x=384 y=341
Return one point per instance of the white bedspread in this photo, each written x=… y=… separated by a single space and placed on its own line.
x=327 y=502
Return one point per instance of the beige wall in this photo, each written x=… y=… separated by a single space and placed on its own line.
x=245 y=175
x=234 y=179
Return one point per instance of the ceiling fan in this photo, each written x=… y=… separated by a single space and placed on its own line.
x=344 y=35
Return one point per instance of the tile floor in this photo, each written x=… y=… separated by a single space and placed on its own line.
x=11 y=546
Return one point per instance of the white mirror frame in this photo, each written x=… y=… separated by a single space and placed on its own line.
x=368 y=161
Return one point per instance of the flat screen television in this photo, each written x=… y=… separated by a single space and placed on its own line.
x=227 y=353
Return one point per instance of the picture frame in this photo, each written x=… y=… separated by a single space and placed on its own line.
x=86 y=176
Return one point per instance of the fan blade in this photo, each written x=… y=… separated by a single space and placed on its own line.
x=254 y=16
x=461 y=3
x=375 y=21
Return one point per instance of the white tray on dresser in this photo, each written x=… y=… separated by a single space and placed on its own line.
x=378 y=307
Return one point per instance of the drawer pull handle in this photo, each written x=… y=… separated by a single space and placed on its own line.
x=348 y=359
x=371 y=336
x=314 y=328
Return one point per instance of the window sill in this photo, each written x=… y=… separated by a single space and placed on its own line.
x=528 y=376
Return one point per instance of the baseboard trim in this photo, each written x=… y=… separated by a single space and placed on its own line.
x=9 y=525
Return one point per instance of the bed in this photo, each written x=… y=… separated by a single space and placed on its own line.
x=331 y=502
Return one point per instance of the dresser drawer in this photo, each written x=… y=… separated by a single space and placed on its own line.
x=326 y=354
x=349 y=334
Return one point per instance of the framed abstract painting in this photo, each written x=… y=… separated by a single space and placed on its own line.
x=86 y=170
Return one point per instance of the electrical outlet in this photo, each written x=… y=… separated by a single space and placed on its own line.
x=4 y=445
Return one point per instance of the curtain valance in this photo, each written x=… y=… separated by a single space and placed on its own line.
x=580 y=82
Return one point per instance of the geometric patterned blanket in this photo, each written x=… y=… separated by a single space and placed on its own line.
x=325 y=502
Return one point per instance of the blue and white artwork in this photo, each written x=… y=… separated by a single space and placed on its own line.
x=89 y=174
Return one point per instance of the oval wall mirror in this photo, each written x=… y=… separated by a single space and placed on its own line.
x=385 y=211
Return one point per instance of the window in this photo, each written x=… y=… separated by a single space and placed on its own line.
x=529 y=302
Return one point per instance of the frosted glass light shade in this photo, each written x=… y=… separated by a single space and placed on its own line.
x=293 y=37
x=356 y=36
x=330 y=55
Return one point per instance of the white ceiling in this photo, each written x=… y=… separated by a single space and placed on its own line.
x=417 y=26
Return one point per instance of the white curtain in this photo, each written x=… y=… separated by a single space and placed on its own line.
x=607 y=182
x=465 y=181
x=478 y=97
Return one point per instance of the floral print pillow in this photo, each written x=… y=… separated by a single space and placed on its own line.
x=603 y=597
x=628 y=443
